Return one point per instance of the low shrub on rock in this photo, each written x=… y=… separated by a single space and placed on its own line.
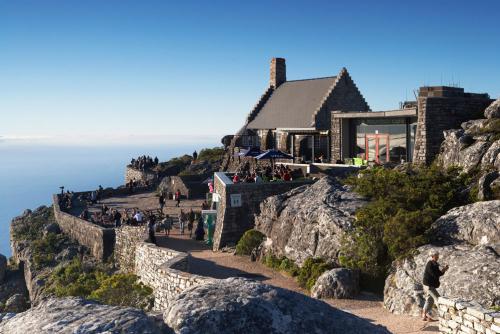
x=250 y=240
x=311 y=270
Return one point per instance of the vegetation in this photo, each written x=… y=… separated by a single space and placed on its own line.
x=98 y=283
x=397 y=221
x=306 y=275
x=250 y=240
x=211 y=154
x=33 y=229
x=46 y=248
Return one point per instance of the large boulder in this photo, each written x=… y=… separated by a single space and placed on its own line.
x=3 y=267
x=16 y=303
x=476 y=224
x=336 y=283
x=468 y=240
x=486 y=186
x=491 y=159
x=76 y=315
x=493 y=111
x=237 y=305
x=308 y=221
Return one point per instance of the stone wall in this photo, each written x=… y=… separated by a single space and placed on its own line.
x=164 y=270
x=190 y=186
x=232 y=222
x=132 y=174
x=443 y=108
x=457 y=316
x=127 y=237
x=100 y=241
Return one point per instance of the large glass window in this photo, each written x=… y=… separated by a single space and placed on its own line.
x=383 y=140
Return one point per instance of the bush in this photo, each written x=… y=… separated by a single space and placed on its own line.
x=32 y=227
x=211 y=154
x=45 y=249
x=311 y=270
x=97 y=283
x=250 y=240
x=396 y=221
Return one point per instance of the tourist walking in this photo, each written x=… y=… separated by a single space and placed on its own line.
x=191 y=218
x=431 y=283
x=178 y=198
x=161 y=201
x=181 y=222
x=152 y=228
x=167 y=224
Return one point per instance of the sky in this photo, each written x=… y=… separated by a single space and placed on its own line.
x=123 y=71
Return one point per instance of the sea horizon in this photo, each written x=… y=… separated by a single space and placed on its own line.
x=31 y=171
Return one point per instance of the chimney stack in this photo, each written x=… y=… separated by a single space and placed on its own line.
x=278 y=72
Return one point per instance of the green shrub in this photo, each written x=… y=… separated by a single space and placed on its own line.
x=271 y=261
x=45 y=249
x=211 y=154
x=97 y=283
x=311 y=270
x=402 y=208
x=250 y=240
x=289 y=267
x=33 y=226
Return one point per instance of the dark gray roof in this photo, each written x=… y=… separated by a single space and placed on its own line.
x=293 y=104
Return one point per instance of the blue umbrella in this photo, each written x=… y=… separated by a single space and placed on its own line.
x=273 y=154
x=251 y=152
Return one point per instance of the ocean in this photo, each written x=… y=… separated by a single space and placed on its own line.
x=31 y=173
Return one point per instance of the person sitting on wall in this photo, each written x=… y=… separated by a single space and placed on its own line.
x=104 y=209
x=431 y=283
x=287 y=176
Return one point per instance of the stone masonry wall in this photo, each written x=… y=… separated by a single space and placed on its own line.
x=460 y=317
x=127 y=238
x=99 y=240
x=232 y=222
x=439 y=109
x=140 y=176
x=164 y=270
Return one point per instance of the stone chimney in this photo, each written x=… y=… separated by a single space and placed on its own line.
x=278 y=72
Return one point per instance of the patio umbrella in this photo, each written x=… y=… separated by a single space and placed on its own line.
x=251 y=152
x=273 y=155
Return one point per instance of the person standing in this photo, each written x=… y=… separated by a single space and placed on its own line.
x=431 y=283
x=191 y=219
x=117 y=217
x=152 y=228
x=195 y=156
x=181 y=222
x=161 y=201
x=178 y=198
x=167 y=223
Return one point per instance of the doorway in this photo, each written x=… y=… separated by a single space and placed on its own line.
x=377 y=147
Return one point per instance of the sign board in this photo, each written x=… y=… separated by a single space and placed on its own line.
x=215 y=197
x=235 y=200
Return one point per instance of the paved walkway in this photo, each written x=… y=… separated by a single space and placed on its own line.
x=222 y=265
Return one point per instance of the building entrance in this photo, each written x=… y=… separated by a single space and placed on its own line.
x=377 y=146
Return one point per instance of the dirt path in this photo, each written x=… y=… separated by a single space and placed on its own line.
x=222 y=265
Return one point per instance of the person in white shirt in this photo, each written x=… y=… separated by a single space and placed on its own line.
x=138 y=217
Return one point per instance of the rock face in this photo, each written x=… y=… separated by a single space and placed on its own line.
x=308 y=221
x=3 y=267
x=236 y=305
x=468 y=240
x=476 y=224
x=337 y=283
x=493 y=111
x=75 y=315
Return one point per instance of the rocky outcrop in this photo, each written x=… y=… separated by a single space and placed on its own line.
x=76 y=315
x=468 y=240
x=308 y=221
x=236 y=305
x=3 y=267
x=493 y=111
x=337 y=283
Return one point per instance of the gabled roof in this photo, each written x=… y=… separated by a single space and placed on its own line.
x=293 y=104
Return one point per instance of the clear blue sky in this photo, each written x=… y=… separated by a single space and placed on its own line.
x=116 y=68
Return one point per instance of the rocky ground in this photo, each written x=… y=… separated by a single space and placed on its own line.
x=308 y=221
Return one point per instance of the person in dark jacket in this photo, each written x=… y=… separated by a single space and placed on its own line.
x=431 y=283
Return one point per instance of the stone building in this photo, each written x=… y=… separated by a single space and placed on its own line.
x=328 y=117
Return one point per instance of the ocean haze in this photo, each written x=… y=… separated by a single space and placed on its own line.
x=30 y=173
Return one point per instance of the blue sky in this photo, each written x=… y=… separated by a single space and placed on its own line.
x=100 y=70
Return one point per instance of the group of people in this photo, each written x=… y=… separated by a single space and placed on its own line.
x=144 y=162
x=268 y=174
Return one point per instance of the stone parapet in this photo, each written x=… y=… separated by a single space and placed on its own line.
x=132 y=174
x=458 y=316
x=100 y=241
x=127 y=238
x=164 y=270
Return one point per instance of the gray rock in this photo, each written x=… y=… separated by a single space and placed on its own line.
x=6 y=316
x=476 y=224
x=16 y=303
x=337 y=283
x=493 y=110
x=236 y=305
x=76 y=315
x=456 y=151
x=484 y=186
x=26 y=213
x=67 y=254
x=491 y=159
x=308 y=221
x=3 y=267
x=473 y=275
x=51 y=228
